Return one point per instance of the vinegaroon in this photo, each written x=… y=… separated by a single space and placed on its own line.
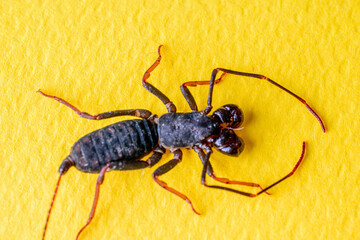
x=122 y=145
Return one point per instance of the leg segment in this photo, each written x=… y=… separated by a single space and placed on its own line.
x=169 y=105
x=139 y=164
x=141 y=113
x=187 y=94
x=211 y=173
x=68 y=162
x=203 y=177
x=212 y=82
x=156 y=156
x=164 y=169
x=114 y=166
x=99 y=181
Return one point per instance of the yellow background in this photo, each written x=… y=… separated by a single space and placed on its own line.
x=94 y=53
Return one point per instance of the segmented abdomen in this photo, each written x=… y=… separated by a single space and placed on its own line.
x=123 y=141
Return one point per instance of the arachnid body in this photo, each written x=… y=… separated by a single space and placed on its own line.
x=122 y=145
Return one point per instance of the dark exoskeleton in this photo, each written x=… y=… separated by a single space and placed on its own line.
x=122 y=145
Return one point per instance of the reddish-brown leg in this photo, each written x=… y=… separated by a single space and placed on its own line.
x=187 y=94
x=211 y=173
x=142 y=113
x=227 y=181
x=99 y=181
x=169 y=105
x=164 y=169
x=203 y=177
x=212 y=83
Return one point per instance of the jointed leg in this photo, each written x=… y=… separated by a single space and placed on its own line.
x=206 y=164
x=211 y=173
x=128 y=166
x=164 y=169
x=212 y=82
x=139 y=164
x=155 y=157
x=99 y=181
x=187 y=94
x=169 y=105
x=142 y=113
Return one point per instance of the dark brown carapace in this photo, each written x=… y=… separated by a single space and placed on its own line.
x=122 y=145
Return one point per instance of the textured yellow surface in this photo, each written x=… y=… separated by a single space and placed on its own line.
x=94 y=53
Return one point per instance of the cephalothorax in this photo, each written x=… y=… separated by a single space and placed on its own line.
x=122 y=145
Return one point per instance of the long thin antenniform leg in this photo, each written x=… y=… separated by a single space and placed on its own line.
x=187 y=94
x=203 y=177
x=211 y=173
x=99 y=181
x=212 y=82
x=66 y=164
x=141 y=113
x=164 y=169
x=169 y=105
